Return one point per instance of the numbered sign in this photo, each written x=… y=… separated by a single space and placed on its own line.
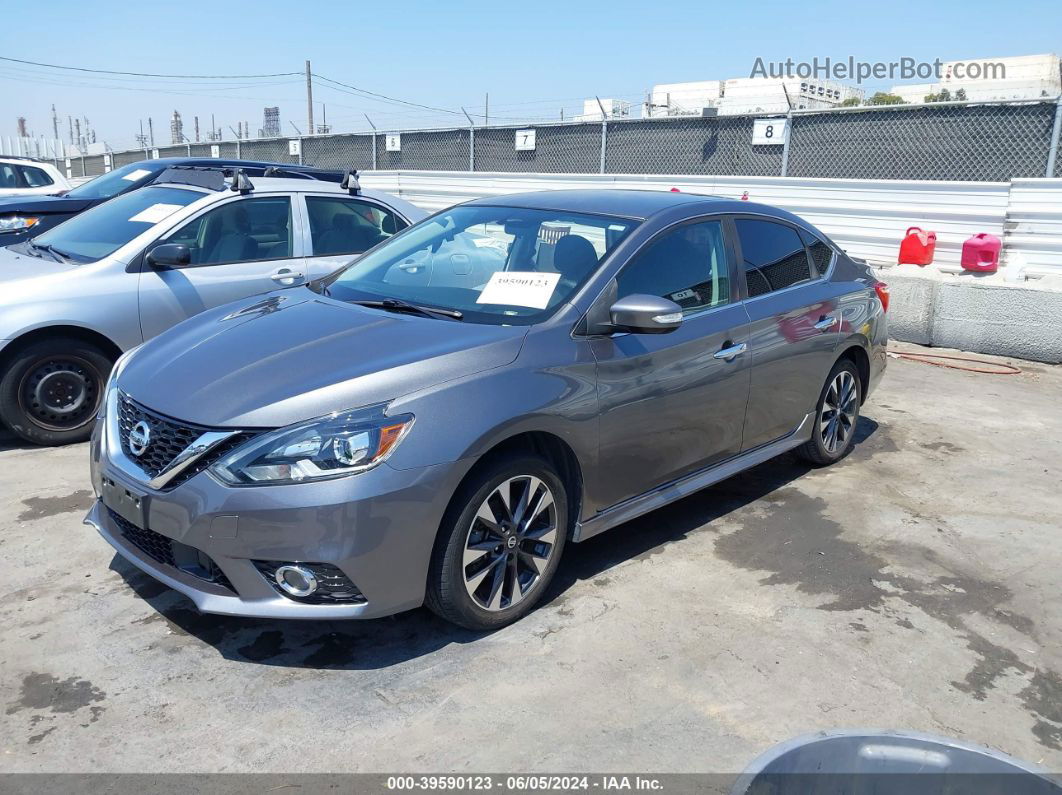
x=769 y=132
x=525 y=140
x=154 y=154
x=393 y=142
x=295 y=147
x=67 y=162
x=215 y=150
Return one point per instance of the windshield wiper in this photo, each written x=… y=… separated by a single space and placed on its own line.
x=397 y=305
x=57 y=255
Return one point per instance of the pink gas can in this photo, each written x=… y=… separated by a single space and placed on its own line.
x=981 y=253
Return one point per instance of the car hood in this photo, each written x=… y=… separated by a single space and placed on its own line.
x=293 y=355
x=15 y=266
x=43 y=204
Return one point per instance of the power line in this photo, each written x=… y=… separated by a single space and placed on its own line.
x=146 y=74
x=384 y=97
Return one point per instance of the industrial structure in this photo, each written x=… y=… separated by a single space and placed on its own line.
x=613 y=109
x=1021 y=77
x=270 y=123
x=746 y=95
x=176 y=128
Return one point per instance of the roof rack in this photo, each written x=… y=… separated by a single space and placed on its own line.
x=304 y=172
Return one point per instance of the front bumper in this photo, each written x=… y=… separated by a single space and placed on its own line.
x=377 y=527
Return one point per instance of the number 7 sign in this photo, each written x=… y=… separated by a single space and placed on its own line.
x=525 y=140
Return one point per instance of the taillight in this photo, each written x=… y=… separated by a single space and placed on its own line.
x=882 y=290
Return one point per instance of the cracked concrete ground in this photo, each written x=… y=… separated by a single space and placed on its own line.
x=915 y=585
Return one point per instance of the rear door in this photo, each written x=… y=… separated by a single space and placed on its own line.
x=795 y=324
x=342 y=227
x=674 y=403
x=241 y=247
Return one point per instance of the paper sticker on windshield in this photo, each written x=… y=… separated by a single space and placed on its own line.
x=519 y=288
x=136 y=176
x=155 y=213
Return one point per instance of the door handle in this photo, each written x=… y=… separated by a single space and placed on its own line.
x=286 y=275
x=826 y=323
x=728 y=354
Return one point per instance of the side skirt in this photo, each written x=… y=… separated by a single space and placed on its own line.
x=676 y=490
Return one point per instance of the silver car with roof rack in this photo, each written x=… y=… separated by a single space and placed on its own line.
x=74 y=298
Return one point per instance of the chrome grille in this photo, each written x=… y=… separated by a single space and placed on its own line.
x=169 y=438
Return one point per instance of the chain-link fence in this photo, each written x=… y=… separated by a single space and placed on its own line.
x=942 y=141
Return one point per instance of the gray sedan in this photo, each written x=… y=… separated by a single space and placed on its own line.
x=434 y=423
x=75 y=297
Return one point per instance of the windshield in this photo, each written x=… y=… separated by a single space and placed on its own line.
x=114 y=182
x=499 y=265
x=102 y=230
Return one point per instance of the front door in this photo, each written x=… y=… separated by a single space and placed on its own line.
x=240 y=248
x=671 y=404
x=795 y=326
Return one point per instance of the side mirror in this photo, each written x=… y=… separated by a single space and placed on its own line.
x=645 y=314
x=169 y=255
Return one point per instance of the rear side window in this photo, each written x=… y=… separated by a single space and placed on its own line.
x=36 y=177
x=8 y=176
x=773 y=256
x=687 y=266
x=821 y=254
x=348 y=226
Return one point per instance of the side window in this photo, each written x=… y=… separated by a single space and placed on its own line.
x=240 y=231
x=36 y=177
x=8 y=176
x=821 y=254
x=687 y=265
x=348 y=226
x=773 y=254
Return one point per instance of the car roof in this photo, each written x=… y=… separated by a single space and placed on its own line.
x=286 y=184
x=166 y=162
x=635 y=204
x=639 y=204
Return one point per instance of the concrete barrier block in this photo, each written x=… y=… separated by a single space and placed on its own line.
x=1004 y=320
x=911 y=298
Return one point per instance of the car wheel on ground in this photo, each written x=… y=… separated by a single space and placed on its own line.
x=836 y=415
x=51 y=390
x=499 y=544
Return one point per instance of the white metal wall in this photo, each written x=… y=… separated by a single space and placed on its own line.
x=868 y=218
x=1032 y=244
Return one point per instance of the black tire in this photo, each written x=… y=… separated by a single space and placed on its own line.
x=818 y=449
x=447 y=593
x=51 y=390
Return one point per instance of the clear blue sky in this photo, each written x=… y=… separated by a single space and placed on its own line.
x=532 y=57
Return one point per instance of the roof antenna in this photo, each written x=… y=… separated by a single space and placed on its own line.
x=240 y=183
x=350 y=182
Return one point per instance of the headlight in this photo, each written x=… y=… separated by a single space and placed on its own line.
x=16 y=223
x=322 y=449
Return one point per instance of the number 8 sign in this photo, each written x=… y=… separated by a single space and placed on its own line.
x=769 y=132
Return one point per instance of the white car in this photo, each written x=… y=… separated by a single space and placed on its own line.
x=24 y=176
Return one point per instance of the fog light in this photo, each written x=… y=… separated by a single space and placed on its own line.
x=296 y=580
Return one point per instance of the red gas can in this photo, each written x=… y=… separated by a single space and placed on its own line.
x=981 y=253
x=917 y=247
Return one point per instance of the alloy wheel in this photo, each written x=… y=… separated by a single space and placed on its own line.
x=839 y=408
x=510 y=543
